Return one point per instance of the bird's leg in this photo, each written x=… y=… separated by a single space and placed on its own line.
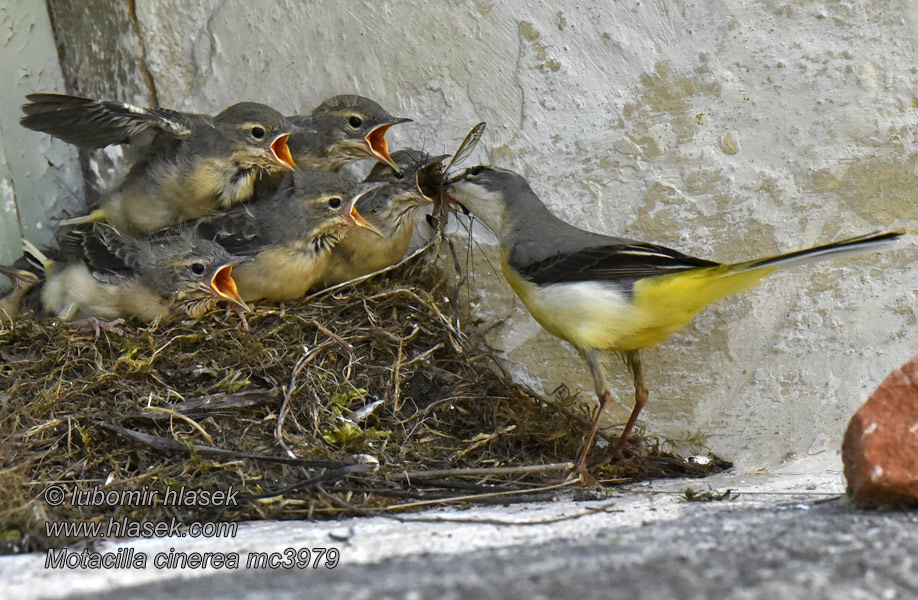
x=595 y=359
x=580 y=467
x=235 y=309
x=633 y=361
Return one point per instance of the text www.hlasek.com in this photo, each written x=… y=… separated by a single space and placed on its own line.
x=127 y=528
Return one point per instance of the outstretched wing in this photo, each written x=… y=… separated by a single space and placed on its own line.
x=101 y=248
x=611 y=262
x=97 y=123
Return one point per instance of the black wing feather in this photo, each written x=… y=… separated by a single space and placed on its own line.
x=237 y=231
x=609 y=263
x=98 y=123
x=101 y=249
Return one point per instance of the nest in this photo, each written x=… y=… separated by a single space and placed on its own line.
x=365 y=399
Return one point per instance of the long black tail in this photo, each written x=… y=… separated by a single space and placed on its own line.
x=856 y=245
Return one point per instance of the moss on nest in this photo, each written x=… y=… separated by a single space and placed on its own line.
x=294 y=413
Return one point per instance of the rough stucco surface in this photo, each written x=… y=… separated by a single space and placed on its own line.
x=727 y=130
x=38 y=176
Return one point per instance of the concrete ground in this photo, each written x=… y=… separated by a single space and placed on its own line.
x=785 y=536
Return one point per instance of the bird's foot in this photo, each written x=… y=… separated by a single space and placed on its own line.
x=238 y=310
x=617 y=453
x=581 y=472
x=97 y=326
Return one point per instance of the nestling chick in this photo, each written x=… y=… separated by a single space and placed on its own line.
x=288 y=236
x=23 y=282
x=104 y=275
x=340 y=130
x=392 y=209
x=192 y=164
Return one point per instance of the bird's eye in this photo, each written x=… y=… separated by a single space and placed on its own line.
x=355 y=121
x=258 y=132
x=197 y=268
x=334 y=202
x=476 y=170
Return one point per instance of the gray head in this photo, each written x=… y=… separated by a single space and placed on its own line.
x=400 y=192
x=314 y=204
x=257 y=136
x=346 y=128
x=196 y=271
x=494 y=195
x=408 y=161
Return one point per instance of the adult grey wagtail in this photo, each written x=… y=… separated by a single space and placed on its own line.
x=191 y=164
x=607 y=294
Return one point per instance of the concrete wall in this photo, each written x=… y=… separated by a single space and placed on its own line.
x=728 y=130
x=38 y=175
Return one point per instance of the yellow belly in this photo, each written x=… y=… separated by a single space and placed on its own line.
x=279 y=274
x=593 y=314
x=361 y=252
x=138 y=206
x=71 y=292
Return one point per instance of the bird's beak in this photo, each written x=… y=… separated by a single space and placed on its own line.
x=461 y=175
x=20 y=277
x=445 y=193
x=224 y=286
x=354 y=219
x=377 y=145
x=280 y=153
x=430 y=177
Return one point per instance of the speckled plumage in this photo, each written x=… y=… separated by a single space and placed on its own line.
x=190 y=164
x=287 y=236
x=102 y=274
x=392 y=209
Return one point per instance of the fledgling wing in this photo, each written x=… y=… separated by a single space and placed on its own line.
x=628 y=260
x=102 y=250
x=98 y=123
x=237 y=231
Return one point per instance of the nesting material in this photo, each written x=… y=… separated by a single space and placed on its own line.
x=364 y=399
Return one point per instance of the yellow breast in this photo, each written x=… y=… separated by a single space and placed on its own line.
x=594 y=314
x=71 y=292
x=361 y=252
x=282 y=273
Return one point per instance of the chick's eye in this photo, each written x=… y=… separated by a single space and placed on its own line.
x=197 y=268
x=355 y=121
x=334 y=202
x=258 y=132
